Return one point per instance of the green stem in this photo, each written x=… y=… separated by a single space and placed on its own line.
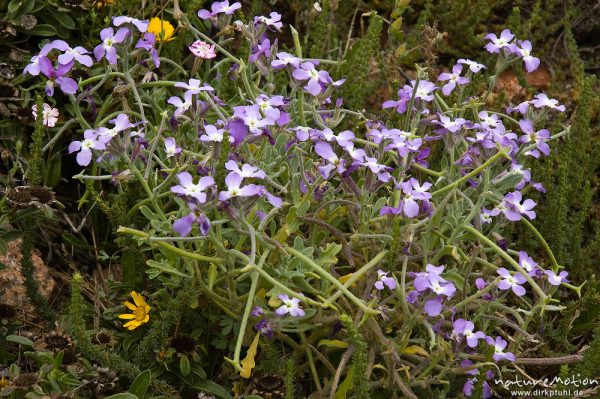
x=542 y=241
x=500 y=154
x=169 y=247
x=319 y=270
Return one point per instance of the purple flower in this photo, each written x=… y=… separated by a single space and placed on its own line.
x=538 y=138
x=512 y=208
x=147 y=43
x=252 y=118
x=290 y=306
x=273 y=21
x=187 y=187
x=424 y=90
x=233 y=181
x=499 y=345
x=473 y=66
x=123 y=19
x=263 y=48
x=413 y=192
x=184 y=226
x=264 y=327
x=453 y=79
x=404 y=94
x=171 y=148
x=268 y=105
x=527 y=263
x=181 y=106
x=465 y=328
x=121 y=123
x=66 y=84
x=531 y=63
x=541 y=100
x=257 y=311
x=219 y=7
x=213 y=134
x=452 y=126
x=33 y=68
x=284 y=59
x=316 y=78
x=324 y=150
x=511 y=282
x=247 y=171
x=555 y=279
x=433 y=307
x=107 y=47
x=384 y=281
x=78 y=53
x=498 y=43
x=194 y=86
x=480 y=283
x=85 y=147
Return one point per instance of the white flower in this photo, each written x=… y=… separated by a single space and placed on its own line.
x=50 y=115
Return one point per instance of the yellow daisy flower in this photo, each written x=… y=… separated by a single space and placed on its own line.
x=163 y=30
x=140 y=312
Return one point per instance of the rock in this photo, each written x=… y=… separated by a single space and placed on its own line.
x=12 y=288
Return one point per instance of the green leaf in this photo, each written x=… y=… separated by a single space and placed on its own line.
x=19 y=340
x=140 y=385
x=148 y=213
x=212 y=388
x=43 y=30
x=346 y=385
x=184 y=365
x=165 y=268
x=123 y=395
x=65 y=20
x=328 y=256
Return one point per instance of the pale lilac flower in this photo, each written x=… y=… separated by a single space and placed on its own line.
x=538 y=138
x=404 y=146
x=499 y=345
x=556 y=279
x=219 y=7
x=121 y=123
x=465 y=328
x=142 y=26
x=246 y=171
x=171 y=147
x=233 y=181
x=324 y=150
x=522 y=108
x=85 y=147
x=527 y=263
x=273 y=21
x=213 y=134
x=147 y=43
x=512 y=208
x=203 y=50
x=268 y=105
x=511 y=282
x=49 y=115
x=424 y=90
x=452 y=125
x=316 y=78
x=541 y=100
x=194 y=86
x=531 y=63
x=290 y=306
x=490 y=123
x=373 y=165
x=453 y=79
x=404 y=94
x=480 y=283
x=257 y=311
x=473 y=66
x=433 y=307
x=78 y=53
x=252 y=118
x=57 y=76
x=187 y=187
x=107 y=47
x=184 y=225
x=413 y=192
x=284 y=59
x=384 y=281
x=262 y=48
x=181 y=106
x=264 y=328
x=498 y=43
x=486 y=216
